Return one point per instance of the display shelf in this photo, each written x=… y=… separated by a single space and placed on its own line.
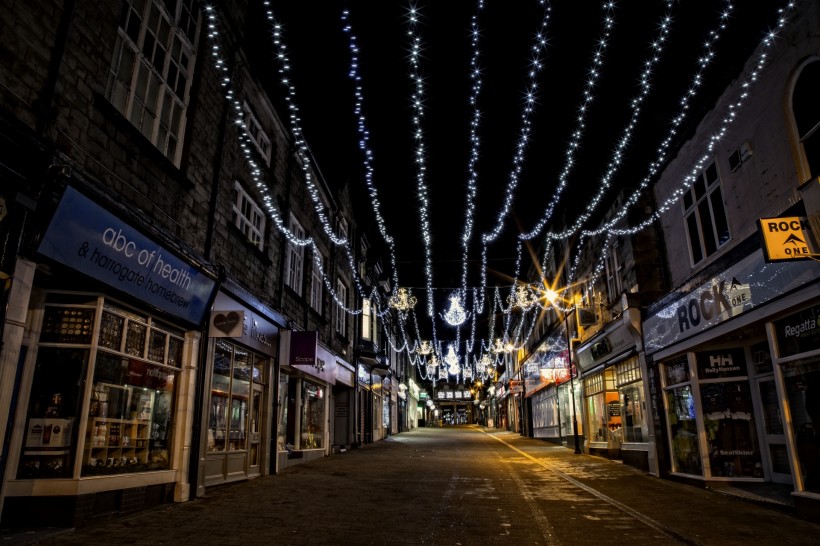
x=118 y=433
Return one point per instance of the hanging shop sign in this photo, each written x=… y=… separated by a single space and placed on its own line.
x=86 y=237
x=231 y=318
x=787 y=238
x=745 y=285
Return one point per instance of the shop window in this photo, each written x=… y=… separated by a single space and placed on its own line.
x=247 y=216
x=294 y=256
x=130 y=401
x=802 y=382
x=313 y=416
x=807 y=115
x=151 y=69
x=633 y=409
x=231 y=420
x=130 y=413
x=681 y=417
x=705 y=215
x=603 y=409
x=283 y=441
x=731 y=437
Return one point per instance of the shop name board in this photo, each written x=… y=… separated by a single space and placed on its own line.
x=713 y=365
x=787 y=238
x=745 y=285
x=86 y=237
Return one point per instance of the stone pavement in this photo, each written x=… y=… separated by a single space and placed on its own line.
x=458 y=485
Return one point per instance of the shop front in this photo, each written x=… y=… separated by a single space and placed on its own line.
x=734 y=357
x=109 y=370
x=237 y=418
x=543 y=371
x=343 y=403
x=305 y=385
x=615 y=394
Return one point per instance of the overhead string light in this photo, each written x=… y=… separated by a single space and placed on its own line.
x=417 y=103
x=530 y=94
x=730 y=114
x=256 y=172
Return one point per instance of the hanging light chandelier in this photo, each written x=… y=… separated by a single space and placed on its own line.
x=483 y=364
x=452 y=361
x=424 y=348
x=455 y=315
x=501 y=347
x=524 y=297
x=402 y=300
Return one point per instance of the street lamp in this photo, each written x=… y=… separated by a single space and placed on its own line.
x=552 y=297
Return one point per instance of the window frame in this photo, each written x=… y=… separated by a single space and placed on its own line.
x=256 y=133
x=153 y=93
x=340 y=314
x=693 y=215
x=242 y=201
x=294 y=257
x=317 y=285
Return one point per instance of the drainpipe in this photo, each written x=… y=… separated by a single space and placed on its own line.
x=45 y=109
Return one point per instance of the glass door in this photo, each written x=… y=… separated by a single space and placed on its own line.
x=255 y=424
x=776 y=457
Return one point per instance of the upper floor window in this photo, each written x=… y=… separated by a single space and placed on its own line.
x=807 y=114
x=294 y=257
x=317 y=284
x=705 y=215
x=256 y=133
x=367 y=320
x=150 y=73
x=340 y=312
x=248 y=217
x=342 y=229
x=614 y=282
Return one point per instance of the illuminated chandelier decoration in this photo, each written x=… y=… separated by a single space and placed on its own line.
x=425 y=349
x=523 y=297
x=468 y=372
x=452 y=361
x=442 y=373
x=402 y=301
x=455 y=315
x=483 y=364
x=501 y=348
x=431 y=366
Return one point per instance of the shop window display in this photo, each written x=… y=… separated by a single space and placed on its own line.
x=128 y=424
x=633 y=414
x=313 y=416
x=603 y=409
x=683 y=430
x=130 y=412
x=54 y=404
x=730 y=430
x=802 y=382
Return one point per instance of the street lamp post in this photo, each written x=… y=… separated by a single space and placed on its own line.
x=572 y=388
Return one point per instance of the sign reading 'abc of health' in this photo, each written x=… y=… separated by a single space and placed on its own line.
x=787 y=238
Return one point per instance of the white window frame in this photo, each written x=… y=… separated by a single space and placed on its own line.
x=367 y=320
x=294 y=257
x=342 y=233
x=614 y=282
x=340 y=318
x=248 y=217
x=152 y=68
x=256 y=133
x=317 y=285
x=692 y=214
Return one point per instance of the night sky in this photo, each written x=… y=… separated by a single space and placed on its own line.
x=320 y=62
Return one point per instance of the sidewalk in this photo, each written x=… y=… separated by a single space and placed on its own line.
x=457 y=485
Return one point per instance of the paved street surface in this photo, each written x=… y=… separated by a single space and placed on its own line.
x=455 y=486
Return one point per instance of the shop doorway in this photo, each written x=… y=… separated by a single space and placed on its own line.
x=775 y=454
x=255 y=418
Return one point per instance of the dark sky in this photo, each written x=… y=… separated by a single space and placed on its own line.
x=320 y=61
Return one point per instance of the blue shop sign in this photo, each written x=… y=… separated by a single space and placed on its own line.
x=86 y=237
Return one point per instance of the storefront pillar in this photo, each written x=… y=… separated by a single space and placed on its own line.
x=185 y=415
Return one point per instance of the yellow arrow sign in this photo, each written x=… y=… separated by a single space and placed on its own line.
x=787 y=238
